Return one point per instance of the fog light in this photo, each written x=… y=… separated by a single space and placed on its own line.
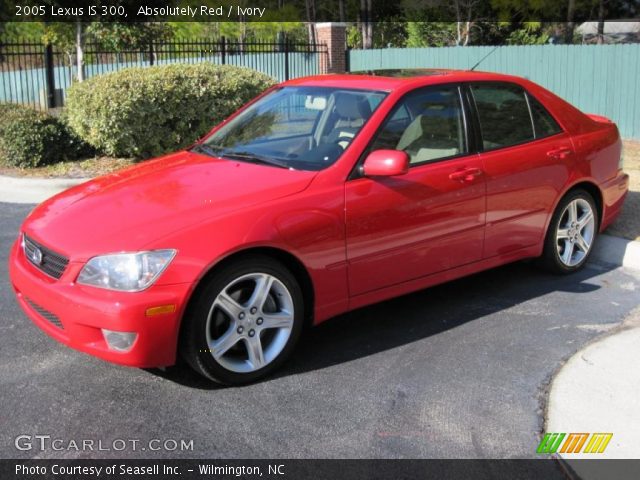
x=120 y=341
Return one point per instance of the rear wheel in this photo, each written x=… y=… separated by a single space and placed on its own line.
x=571 y=233
x=245 y=321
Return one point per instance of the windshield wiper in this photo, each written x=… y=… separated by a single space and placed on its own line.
x=253 y=158
x=219 y=151
x=207 y=149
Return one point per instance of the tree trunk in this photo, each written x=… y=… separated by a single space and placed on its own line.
x=363 y=21
x=369 y=23
x=341 y=10
x=243 y=34
x=458 y=24
x=310 y=6
x=467 y=33
x=571 y=10
x=311 y=28
x=601 y=10
x=79 y=51
x=366 y=26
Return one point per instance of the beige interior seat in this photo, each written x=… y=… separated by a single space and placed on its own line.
x=352 y=112
x=429 y=137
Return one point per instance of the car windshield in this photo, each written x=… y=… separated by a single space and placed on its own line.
x=303 y=128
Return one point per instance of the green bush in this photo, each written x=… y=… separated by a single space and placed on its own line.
x=29 y=138
x=145 y=112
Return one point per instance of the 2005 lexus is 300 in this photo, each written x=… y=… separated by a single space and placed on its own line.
x=324 y=194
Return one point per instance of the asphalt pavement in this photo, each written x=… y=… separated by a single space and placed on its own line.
x=459 y=370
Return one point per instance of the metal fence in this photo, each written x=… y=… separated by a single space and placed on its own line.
x=35 y=74
x=599 y=79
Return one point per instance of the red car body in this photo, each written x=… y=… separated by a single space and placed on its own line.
x=350 y=242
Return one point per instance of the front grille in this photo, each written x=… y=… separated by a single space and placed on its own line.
x=50 y=262
x=46 y=314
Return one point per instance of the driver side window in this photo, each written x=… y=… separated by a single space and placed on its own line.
x=427 y=124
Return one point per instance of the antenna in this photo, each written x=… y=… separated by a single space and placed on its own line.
x=482 y=59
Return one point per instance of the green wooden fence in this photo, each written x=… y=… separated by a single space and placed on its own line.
x=602 y=79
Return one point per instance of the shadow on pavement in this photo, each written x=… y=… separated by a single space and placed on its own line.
x=412 y=317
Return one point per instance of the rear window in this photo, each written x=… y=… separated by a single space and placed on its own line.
x=504 y=115
x=544 y=124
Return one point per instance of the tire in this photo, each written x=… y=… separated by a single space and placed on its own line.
x=244 y=321
x=572 y=233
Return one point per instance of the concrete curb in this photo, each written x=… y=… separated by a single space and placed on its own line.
x=616 y=251
x=609 y=250
x=33 y=190
x=594 y=392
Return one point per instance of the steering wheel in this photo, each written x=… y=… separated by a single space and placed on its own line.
x=344 y=142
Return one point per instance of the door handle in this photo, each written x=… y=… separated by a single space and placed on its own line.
x=465 y=175
x=559 y=153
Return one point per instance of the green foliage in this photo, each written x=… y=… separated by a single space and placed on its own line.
x=60 y=34
x=121 y=36
x=508 y=10
x=29 y=138
x=415 y=36
x=15 y=31
x=390 y=33
x=527 y=36
x=431 y=34
x=144 y=112
x=354 y=37
x=270 y=29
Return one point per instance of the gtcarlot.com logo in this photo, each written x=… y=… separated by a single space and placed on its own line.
x=574 y=443
x=45 y=443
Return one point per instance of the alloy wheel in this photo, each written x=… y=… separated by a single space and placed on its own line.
x=575 y=233
x=250 y=322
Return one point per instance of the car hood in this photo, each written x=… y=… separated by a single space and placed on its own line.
x=128 y=209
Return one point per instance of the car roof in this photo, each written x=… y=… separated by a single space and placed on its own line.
x=392 y=79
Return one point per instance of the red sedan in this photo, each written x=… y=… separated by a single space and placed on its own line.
x=322 y=195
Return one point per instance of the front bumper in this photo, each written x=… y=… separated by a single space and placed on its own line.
x=76 y=314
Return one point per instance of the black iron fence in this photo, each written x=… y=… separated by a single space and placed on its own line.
x=35 y=74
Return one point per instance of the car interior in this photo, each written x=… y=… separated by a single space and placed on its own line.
x=350 y=112
x=317 y=128
x=428 y=126
x=504 y=116
x=311 y=129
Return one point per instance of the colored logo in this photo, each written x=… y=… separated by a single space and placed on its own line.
x=36 y=256
x=574 y=443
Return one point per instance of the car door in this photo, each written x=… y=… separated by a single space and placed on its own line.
x=525 y=157
x=428 y=220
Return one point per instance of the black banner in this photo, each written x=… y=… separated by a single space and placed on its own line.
x=512 y=469
x=547 y=469
x=317 y=10
x=539 y=469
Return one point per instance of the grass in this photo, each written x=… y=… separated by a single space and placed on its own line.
x=91 y=167
x=628 y=224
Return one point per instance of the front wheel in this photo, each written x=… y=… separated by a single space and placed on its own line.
x=244 y=322
x=572 y=232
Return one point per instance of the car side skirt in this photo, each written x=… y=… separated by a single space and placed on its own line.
x=442 y=277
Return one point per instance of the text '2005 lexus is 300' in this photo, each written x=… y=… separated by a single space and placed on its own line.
x=322 y=195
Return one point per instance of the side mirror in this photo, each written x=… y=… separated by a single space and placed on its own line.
x=386 y=163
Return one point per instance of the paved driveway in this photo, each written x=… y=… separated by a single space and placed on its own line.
x=458 y=370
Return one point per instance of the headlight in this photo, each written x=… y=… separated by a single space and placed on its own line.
x=130 y=272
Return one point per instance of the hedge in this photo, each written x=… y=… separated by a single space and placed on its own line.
x=144 y=112
x=29 y=138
